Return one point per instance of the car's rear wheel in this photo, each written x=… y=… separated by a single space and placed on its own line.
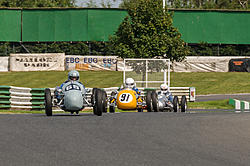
x=176 y=104
x=183 y=104
x=48 y=102
x=149 y=101
x=155 y=103
x=99 y=103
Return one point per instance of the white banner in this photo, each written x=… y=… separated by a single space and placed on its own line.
x=4 y=64
x=204 y=64
x=37 y=62
x=78 y=62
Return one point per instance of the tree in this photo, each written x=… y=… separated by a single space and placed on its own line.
x=37 y=3
x=107 y=3
x=148 y=32
x=91 y=4
x=209 y=4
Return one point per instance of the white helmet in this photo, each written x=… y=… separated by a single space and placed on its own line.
x=73 y=75
x=129 y=83
x=164 y=88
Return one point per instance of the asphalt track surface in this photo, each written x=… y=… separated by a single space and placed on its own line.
x=125 y=139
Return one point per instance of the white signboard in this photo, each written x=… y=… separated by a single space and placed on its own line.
x=4 y=64
x=203 y=64
x=37 y=62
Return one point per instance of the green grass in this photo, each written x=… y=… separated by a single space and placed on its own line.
x=99 y=79
x=218 y=104
x=205 y=83
x=213 y=83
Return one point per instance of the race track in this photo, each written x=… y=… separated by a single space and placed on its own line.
x=125 y=139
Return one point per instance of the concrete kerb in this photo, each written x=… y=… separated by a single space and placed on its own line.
x=240 y=105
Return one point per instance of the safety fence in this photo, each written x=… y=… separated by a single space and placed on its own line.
x=21 y=98
x=86 y=24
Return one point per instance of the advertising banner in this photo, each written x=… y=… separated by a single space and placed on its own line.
x=37 y=62
x=203 y=64
x=4 y=64
x=78 y=62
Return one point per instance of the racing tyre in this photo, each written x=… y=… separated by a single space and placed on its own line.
x=155 y=103
x=176 y=104
x=111 y=109
x=183 y=104
x=99 y=103
x=149 y=101
x=93 y=95
x=48 y=102
x=105 y=103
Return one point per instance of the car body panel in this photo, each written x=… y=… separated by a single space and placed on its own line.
x=126 y=100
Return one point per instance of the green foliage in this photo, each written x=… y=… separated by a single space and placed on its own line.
x=205 y=49
x=37 y=3
x=148 y=32
x=208 y=4
x=107 y=3
x=91 y=4
x=103 y=4
x=77 y=48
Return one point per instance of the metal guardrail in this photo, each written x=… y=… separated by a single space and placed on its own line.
x=21 y=98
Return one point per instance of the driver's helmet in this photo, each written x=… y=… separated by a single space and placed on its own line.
x=73 y=75
x=164 y=88
x=129 y=83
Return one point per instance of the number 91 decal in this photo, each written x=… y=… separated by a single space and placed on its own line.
x=125 y=98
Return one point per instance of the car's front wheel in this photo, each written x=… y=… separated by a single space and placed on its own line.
x=99 y=103
x=48 y=102
x=155 y=103
x=149 y=101
x=176 y=104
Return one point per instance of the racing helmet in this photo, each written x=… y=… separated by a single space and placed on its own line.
x=129 y=83
x=164 y=88
x=73 y=75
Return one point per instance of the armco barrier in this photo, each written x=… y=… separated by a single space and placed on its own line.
x=240 y=105
x=33 y=98
x=21 y=98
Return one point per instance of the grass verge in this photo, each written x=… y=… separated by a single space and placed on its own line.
x=218 y=104
x=205 y=83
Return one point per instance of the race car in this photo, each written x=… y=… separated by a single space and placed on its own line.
x=73 y=98
x=125 y=99
x=156 y=103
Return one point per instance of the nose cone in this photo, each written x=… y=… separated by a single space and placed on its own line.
x=73 y=100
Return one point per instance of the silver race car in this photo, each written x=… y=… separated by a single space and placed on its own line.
x=72 y=97
x=161 y=102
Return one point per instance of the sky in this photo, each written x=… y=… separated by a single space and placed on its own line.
x=81 y=3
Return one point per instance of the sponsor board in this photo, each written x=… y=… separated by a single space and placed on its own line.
x=204 y=64
x=4 y=64
x=37 y=62
x=78 y=62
